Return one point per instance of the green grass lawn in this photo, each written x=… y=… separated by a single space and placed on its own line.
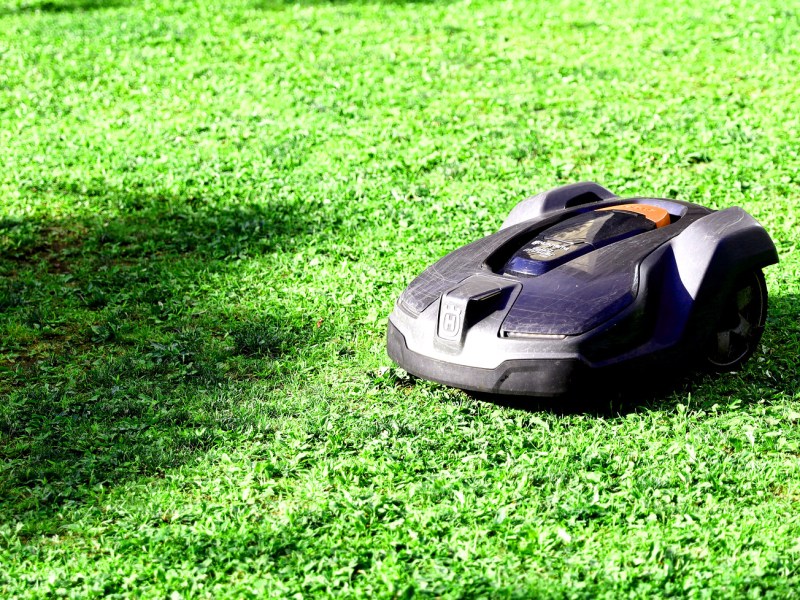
x=206 y=214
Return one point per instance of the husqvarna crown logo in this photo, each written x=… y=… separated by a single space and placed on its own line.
x=450 y=321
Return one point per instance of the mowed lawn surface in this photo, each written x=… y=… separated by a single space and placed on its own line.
x=206 y=214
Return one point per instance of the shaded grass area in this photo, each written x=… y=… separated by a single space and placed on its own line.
x=114 y=364
x=206 y=217
x=62 y=6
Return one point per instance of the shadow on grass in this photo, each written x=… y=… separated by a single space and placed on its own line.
x=62 y=6
x=601 y=402
x=772 y=372
x=118 y=357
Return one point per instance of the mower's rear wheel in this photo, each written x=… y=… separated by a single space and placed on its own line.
x=740 y=325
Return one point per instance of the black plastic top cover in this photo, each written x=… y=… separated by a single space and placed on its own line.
x=574 y=237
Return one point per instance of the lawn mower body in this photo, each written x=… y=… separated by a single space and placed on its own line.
x=580 y=287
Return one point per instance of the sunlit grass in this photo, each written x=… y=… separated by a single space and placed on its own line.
x=206 y=214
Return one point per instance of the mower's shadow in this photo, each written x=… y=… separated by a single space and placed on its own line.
x=603 y=402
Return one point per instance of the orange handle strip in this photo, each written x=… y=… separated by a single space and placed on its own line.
x=656 y=214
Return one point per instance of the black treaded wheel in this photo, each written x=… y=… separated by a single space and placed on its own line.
x=741 y=324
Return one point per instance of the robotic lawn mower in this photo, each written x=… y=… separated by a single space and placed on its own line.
x=580 y=287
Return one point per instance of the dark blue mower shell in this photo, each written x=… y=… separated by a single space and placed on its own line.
x=580 y=286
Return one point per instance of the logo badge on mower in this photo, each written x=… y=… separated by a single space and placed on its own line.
x=451 y=320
